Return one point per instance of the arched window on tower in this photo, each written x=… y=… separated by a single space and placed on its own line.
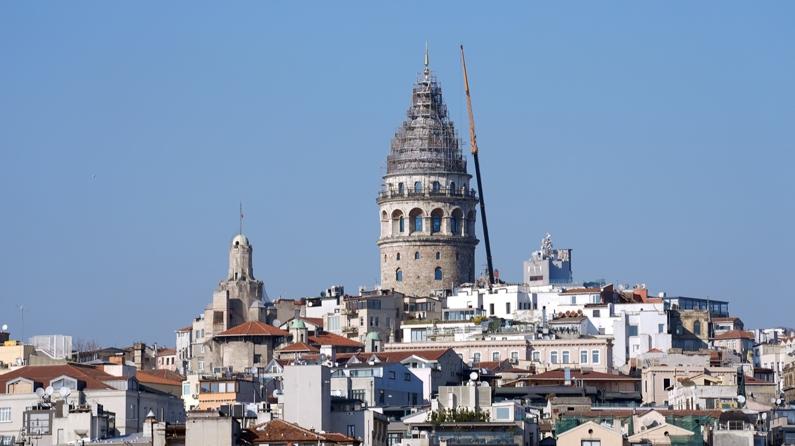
x=436 y=221
x=436 y=187
x=452 y=188
x=438 y=255
x=697 y=328
x=415 y=219
x=418 y=187
x=437 y=273
x=417 y=255
x=397 y=257
x=401 y=189
x=455 y=221
x=398 y=224
x=402 y=224
x=398 y=275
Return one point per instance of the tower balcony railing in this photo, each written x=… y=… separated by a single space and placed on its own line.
x=427 y=192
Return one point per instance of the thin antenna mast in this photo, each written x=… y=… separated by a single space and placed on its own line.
x=473 y=145
x=241 y=218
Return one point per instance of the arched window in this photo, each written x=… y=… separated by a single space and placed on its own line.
x=452 y=188
x=418 y=187
x=402 y=224
x=417 y=255
x=398 y=224
x=697 y=327
x=436 y=186
x=401 y=188
x=436 y=221
x=384 y=258
x=398 y=275
x=455 y=221
x=397 y=257
x=437 y=273
x=438 y=255
x=415 y=219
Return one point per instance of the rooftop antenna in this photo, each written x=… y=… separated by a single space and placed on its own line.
x=427 y=70
x=473 y=145
x=22 y=317
x=241 y=218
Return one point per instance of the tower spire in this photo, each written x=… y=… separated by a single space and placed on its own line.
x=427 y=70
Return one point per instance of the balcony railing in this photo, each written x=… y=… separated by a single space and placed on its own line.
x=427 y=192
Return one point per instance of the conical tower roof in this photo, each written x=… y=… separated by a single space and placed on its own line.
x=427 y=140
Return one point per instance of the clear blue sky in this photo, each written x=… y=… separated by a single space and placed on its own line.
x=653 y=138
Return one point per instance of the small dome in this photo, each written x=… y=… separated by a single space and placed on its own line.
x=297 y=323
x=373 y=336
x=240 y=239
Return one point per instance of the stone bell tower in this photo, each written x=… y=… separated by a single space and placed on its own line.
x=427 y=208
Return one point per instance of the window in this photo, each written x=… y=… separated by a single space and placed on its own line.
x=596 y=313
x=495 y=356
x=402 y=224
x=186 y=388
x=452 y=187
x=351 y=430
x=257 y=358
x=401 y=188
x=515 y=356
x=391 y=374
x=660 y=328
x=507 y=307
x=398 y=274
x=491 y=309
x=536 y=356
x=435 y=186
x=566 y=357
x=476 y=358
x=397 y=256
x=590 y=443
x=6 y=440
x=407 y=376
x=454 y=224
x=200 y=366
x=595 y=356
x=503 y=413
x=419 y=335
x=584 y=357
x=438 y=255
x=666 y=383
x=418 y=223
x=632 y=330
x=5 y=414
x=697 y=328
x=418 y=187
x=553 y=357
x=437 y=273
x=358 y=394
x=38 y=423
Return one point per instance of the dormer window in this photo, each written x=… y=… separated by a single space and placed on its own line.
x=64 y=381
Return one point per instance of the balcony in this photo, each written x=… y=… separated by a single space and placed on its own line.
x=442 y=192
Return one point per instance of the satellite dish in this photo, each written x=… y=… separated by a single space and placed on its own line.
x=39 y=392
x=474 y=376
x=49 y=391
x=764 y=415
x=741 y=399
x=5 y=327
x=277 y=323
x=64 y=392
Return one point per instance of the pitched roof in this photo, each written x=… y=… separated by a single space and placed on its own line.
x=298 y=347
x=735 y=334
x=159 y=377
x=166 y=351
x=93 y=377
x=558 y=375
x=279 y=431
x=428 y=355
x=316 y=321
x=185 y=328
x=253 y=328
x=334 y=339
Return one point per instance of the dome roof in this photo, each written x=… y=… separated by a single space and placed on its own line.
x=297 y=323
x=373 y=336
x=240 y=239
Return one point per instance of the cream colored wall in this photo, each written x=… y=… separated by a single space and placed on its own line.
x=590 y=431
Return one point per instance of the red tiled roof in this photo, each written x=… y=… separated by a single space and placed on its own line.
x=581 y=291
x=735 y=334
x=428 y=355
x=166 y=351
x=558 y=375
x=316 y=321
x=159 y=377
x=282 y=432
x=298 y=347
x=334 y=339
x=93 y=377
x=254 y=328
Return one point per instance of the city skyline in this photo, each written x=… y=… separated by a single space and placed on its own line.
x=123 y=181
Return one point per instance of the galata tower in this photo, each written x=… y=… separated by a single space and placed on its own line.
x=427 y=207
